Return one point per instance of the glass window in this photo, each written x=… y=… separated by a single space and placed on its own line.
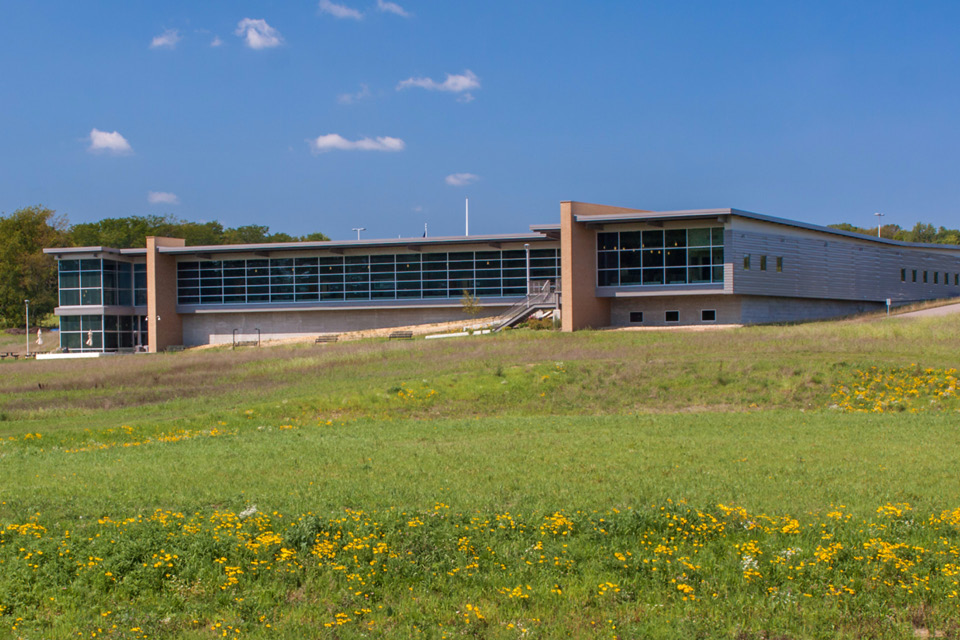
x=708 y=315
x=608 y=278
x=914 y=275
x=636 y=316
x=903 y=275
x=630 y=239
x=653 y=239
x=763 y=263
x=698 y=237
x=672 y=316
x=746 y=262
x=675 y=238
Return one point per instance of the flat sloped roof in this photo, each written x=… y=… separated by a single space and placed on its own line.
x=691 y=214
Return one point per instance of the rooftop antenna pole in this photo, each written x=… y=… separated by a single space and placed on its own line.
x=358 y=230
x=424 y=229
x=879 y=222
x=467 y=214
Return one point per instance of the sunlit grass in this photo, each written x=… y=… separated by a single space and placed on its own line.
x=524 y=485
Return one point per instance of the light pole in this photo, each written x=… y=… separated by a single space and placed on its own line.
x=526 y=248
x=879 y=222
x=27 y=303
x=358 y=230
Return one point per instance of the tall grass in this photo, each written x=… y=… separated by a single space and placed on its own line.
x=530 y=485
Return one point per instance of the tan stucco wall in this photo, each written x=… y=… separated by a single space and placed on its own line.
x=163 y=322
x=581 y=308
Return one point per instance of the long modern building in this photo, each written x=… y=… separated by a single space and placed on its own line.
x=612 y=266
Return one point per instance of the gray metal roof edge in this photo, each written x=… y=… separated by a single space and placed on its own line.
x=354 y=244
x=68 y=250
x=698 y=213
x=553 y=226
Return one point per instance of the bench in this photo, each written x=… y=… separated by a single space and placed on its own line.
x=246 y=343
x=401 y=335
x=175 y=347
x=327 y=337
x=11 y=354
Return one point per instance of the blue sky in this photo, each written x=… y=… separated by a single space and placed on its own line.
x=310 y=116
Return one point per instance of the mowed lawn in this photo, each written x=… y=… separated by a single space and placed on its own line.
x=529 y=485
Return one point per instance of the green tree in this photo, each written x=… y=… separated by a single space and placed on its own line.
x=923 y=232
x=26 y=273
x=470 y=303
x=316 y=236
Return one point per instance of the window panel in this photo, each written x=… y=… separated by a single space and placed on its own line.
x=698 y=237
x=630 y=239
x=606 y=241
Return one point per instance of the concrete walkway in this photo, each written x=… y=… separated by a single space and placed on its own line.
x=929 y=313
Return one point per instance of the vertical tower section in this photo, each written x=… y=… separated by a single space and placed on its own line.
x=580 y=306
x=165 y=327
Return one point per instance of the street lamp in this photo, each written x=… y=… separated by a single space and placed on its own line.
x=27 y=303
x=358 y=230
x=879 y=222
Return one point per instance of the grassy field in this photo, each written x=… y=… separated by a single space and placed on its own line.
x=768 y=482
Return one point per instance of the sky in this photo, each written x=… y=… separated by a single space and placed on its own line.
x=328 y=116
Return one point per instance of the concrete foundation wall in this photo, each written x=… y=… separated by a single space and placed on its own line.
x=217 y=328
x=654 y=310
x=761 y=309
x=732 y=309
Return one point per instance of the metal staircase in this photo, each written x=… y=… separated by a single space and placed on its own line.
x=543 y=295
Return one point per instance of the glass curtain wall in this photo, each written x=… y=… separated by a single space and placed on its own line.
x=102 y=333
x=98 y=281
x=363 y=277
x=102 y=282
x=660 y=257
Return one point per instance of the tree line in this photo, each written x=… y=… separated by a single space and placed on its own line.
x=26 y=273
x=921 y=232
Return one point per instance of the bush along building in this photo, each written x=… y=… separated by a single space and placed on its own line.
x=612 y=266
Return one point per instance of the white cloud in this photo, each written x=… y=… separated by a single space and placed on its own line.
x=258 y=34
x=166 y=40
x=340 y=10
x=216 y=42
x=104 y=142
x=454 y=83
x=350 y=98
x=162 y=197
x=336 y=142
x=391 y=7
x=461 y=179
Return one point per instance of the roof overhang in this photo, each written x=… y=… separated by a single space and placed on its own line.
x=95 y=251
x=657 y=218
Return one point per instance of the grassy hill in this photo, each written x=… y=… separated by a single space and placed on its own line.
x=764 y=482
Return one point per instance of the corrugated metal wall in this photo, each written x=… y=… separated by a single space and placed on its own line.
x=820 y=265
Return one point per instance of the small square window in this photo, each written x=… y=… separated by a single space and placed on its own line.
x=763 y=263
x=708 y=315
x=746 y=262
x=672 y=316
x=636 y=316
x=779 y=265
x=903 y=275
